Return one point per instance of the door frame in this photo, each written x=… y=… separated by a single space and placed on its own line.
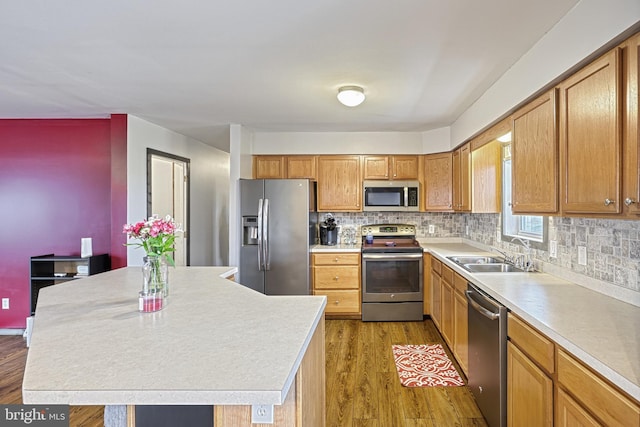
x=151 y=152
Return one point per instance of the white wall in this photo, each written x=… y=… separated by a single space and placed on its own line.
x=209 y=216
x=587 y=27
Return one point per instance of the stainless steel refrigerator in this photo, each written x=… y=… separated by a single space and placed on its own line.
x=278 y=227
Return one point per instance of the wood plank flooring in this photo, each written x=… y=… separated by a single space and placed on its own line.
x=363 y=389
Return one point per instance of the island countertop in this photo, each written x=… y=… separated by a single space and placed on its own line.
x=215 y=343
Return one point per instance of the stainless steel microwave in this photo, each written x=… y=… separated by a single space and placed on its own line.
x=391 y=196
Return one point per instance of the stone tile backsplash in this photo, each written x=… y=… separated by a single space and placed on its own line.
x=613 y=246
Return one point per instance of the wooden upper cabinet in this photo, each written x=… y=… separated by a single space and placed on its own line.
x=301 y=167
x=269 y=167
x=376 y=167
x=487 y=178
x=534 y=157
x=590 y=138
x=438 y=182
x=390 y=167
x=339 y=183
x=404 y=167
x=631 y=120
x=462 y=178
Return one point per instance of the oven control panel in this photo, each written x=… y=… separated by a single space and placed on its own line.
x=389 y=230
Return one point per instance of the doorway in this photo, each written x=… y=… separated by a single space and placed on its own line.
x=168 y=194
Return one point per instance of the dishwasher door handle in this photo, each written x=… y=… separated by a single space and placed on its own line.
x=480 y=309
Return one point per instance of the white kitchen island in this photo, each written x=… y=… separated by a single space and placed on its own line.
x=215 y=343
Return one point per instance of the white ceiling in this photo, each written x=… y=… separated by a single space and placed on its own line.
x=194 y=66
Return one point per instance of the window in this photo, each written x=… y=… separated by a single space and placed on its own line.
x=530 y=227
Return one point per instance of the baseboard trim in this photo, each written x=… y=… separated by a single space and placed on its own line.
x=11 y=331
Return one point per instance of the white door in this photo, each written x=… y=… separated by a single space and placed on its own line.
x=169 y=179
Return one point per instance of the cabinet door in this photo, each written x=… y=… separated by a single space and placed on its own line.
x=529 y=391
x=301 y=167
x=269 y=167
x=534 y=157
x=569 y=413
x=631 y=156
x=436 y=298
x=376 y=167
x=426 y=285
x=447 y=312
x=487 y=178
x=404 y=167
x=439 y=182
x=462 y=178
x=339 y=183
x=461 y=331
x=590 y=138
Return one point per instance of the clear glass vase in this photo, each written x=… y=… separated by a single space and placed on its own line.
x=155 y=283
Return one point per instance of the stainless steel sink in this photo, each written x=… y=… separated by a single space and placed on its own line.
x=492 y=268
x=476 y=260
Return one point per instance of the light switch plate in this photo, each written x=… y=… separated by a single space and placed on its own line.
x=582 y=255
x=553 y=249
x=432 y=229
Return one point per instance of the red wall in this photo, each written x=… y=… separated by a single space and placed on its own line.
x=55 y=188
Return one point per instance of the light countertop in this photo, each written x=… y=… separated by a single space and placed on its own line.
x=216 y=342
x=602 y=331
x=335 y=248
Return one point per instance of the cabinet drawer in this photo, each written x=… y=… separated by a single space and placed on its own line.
x=533 y=343
x=337 y=277
x=336 y=259
x=436 y=265
x=447 y=274
x=601 y=399
x=341 y=301
x=460 y=283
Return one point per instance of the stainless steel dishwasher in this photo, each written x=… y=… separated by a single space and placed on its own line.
x=488 y=355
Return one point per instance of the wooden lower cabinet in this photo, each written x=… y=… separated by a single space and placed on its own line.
x=447 y=312
x=529 y=391
x=597 y=397
x=547 y=386
x=436 y=298
x=337 y=276
x=426 y=284
x=569 y=413
x=461 y=331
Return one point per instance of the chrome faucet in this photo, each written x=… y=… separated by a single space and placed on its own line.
x=524 y=261
x=508 y=258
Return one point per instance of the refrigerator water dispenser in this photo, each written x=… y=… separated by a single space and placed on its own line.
x=250 y=230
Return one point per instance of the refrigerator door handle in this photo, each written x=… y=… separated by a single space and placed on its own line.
x=260 y=242
x=265 y=244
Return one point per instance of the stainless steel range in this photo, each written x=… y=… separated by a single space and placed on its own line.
x=392 y=272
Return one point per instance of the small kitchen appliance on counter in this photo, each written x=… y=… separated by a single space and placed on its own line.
x=329 y=231
x=392 y=272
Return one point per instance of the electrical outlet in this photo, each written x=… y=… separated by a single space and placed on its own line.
x=466 y=230
x=498 y=235
x=432 y=229
x=5 y=303
x=582 y=255
x=262 y=414
x=553 y=249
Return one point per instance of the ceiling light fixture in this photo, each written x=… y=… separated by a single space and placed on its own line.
x=351 y=96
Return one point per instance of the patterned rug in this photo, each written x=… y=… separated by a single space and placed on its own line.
x=425 y=365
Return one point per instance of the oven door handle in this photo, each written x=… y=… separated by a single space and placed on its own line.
x=395 y=256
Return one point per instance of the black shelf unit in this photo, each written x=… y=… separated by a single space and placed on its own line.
x=50 y=269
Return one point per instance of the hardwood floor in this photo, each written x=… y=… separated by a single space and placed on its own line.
x=363 y=389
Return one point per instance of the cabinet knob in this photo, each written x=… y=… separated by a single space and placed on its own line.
x=336 y=278
x=608 y=202
x=336 y=260
x=629 y=201
x=337 y=302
